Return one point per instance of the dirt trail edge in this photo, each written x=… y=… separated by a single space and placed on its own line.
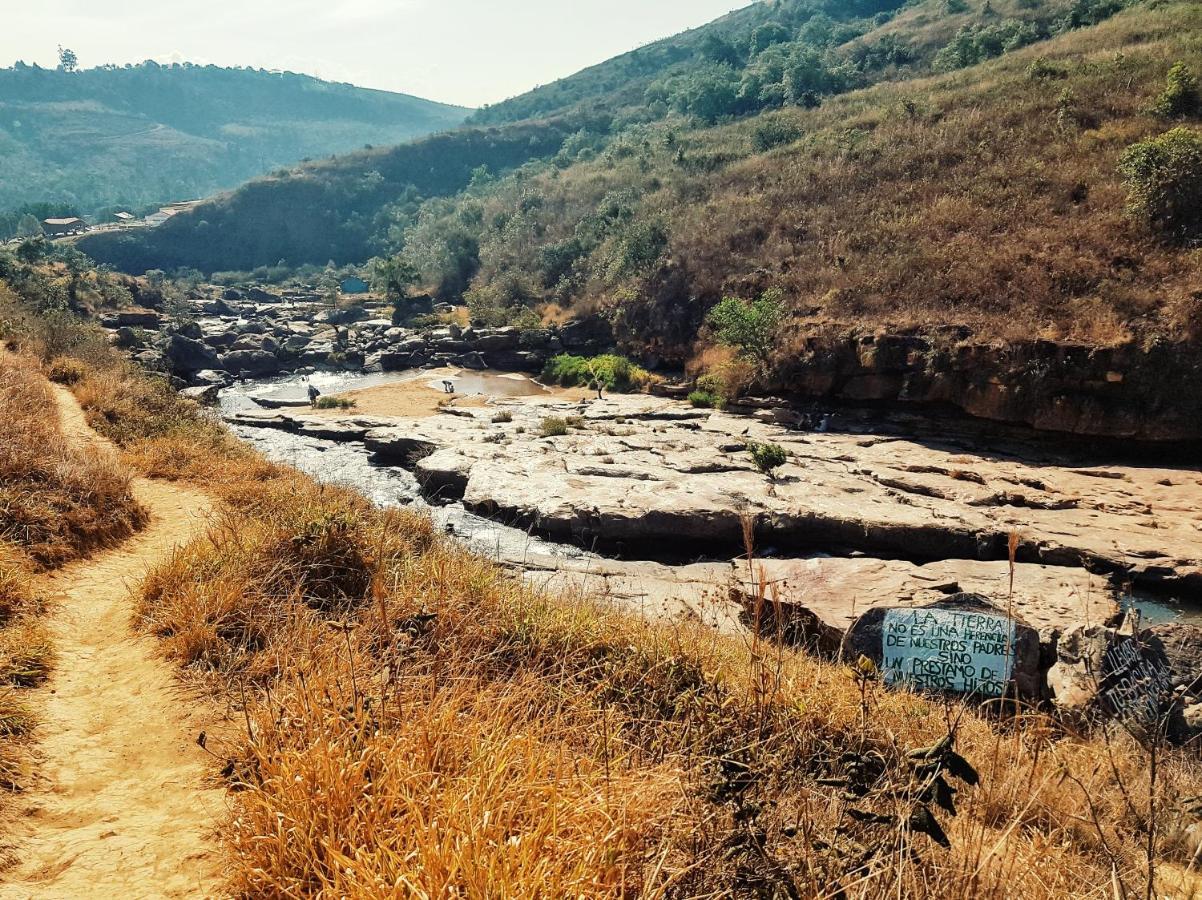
x=121 y=809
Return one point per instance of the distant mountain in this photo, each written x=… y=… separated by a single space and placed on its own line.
x=147 y=134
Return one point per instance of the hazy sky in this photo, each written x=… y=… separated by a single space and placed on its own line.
x=459 y=51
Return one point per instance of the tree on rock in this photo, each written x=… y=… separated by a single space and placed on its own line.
x=1164 y=183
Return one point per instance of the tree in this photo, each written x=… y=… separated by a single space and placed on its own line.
x=1163 y=176
x=67 y=60
x=392 y=277
x=767 y=457
x=749 y=327
x=1180 y=97
x=29 y=226
x=33 y=250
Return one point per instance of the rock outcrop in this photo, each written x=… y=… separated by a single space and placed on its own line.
x=1051 y=385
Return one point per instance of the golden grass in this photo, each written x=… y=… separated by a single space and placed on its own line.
x=57 y=500
x=443 y=730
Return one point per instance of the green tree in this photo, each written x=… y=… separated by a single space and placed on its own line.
x=1180 y=96
x=32 y=250
x=767 y=457
x=67 y=60
x=392 y=276
x=29 y=227
x=1163 y=176
x=750 y=327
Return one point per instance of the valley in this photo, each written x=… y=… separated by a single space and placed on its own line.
x=763 y=464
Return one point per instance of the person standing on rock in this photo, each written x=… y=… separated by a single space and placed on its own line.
x=314 y=393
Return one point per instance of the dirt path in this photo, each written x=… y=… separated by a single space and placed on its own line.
x=121 y=810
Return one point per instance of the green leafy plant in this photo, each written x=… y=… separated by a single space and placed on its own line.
x=1163 y=176
x=704 y=400
x=1180 y=95
x=613 y=373
x=749 y=326
x=767 y=457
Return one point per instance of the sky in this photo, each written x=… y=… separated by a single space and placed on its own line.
x=468 y=52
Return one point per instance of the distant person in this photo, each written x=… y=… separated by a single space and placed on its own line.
x=448 y=386
x=314 y=393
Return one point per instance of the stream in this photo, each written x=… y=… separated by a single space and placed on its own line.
x=350 y=464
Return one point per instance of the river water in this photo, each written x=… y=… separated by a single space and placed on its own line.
x=350 y=464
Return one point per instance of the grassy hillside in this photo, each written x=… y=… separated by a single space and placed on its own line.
x=149 y=134
x=989 y=196
x=339 y=209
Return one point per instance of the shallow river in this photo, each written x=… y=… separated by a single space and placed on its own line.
x=350 y=464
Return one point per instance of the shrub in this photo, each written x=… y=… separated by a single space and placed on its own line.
x=1180 y=96
x=335 y=403
x=750 y=327
x=774 y=133
x=767 y=457
x=1041 y=70
x=553 y=426
x=704 y=400
x=503 y=416
x=614 y=373
x=67 y=371
x=1163 y=176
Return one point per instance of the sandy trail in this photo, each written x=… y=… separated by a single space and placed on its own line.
x=121 y=809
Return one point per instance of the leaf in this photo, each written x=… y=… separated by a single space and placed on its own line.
x=922 y=821
x=961 y=768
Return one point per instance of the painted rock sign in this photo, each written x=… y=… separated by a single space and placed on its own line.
x=963 y=644
x=1135 y=683
x=947 y=650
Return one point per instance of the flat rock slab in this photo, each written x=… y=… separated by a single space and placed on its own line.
x=649 y=476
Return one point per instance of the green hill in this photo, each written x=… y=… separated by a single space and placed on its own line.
x=149 y=134
x=966 y=175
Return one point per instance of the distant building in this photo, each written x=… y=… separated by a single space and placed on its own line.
x=124 y=218
x=353 y=286
x=60 y=227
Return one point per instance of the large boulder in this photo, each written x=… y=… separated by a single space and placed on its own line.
x=185 y=354
x=250 y=363
x=963 y=644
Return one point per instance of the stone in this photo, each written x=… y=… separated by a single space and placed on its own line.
x=681 y=480
x=250 y=363
x=962 y=644
x=206 y=393
x=185 y=355
x=813 y=601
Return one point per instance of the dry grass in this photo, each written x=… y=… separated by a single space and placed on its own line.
x=442 y=730
x=57 y=501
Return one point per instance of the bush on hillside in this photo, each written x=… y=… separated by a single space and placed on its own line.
x=751 y=327
x=613 y=373
x=1180 y=96
x=1163 y=176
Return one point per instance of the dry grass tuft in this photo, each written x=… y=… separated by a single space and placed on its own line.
x=57 y=501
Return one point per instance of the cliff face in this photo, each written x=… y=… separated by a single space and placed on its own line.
x=1146 y=393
